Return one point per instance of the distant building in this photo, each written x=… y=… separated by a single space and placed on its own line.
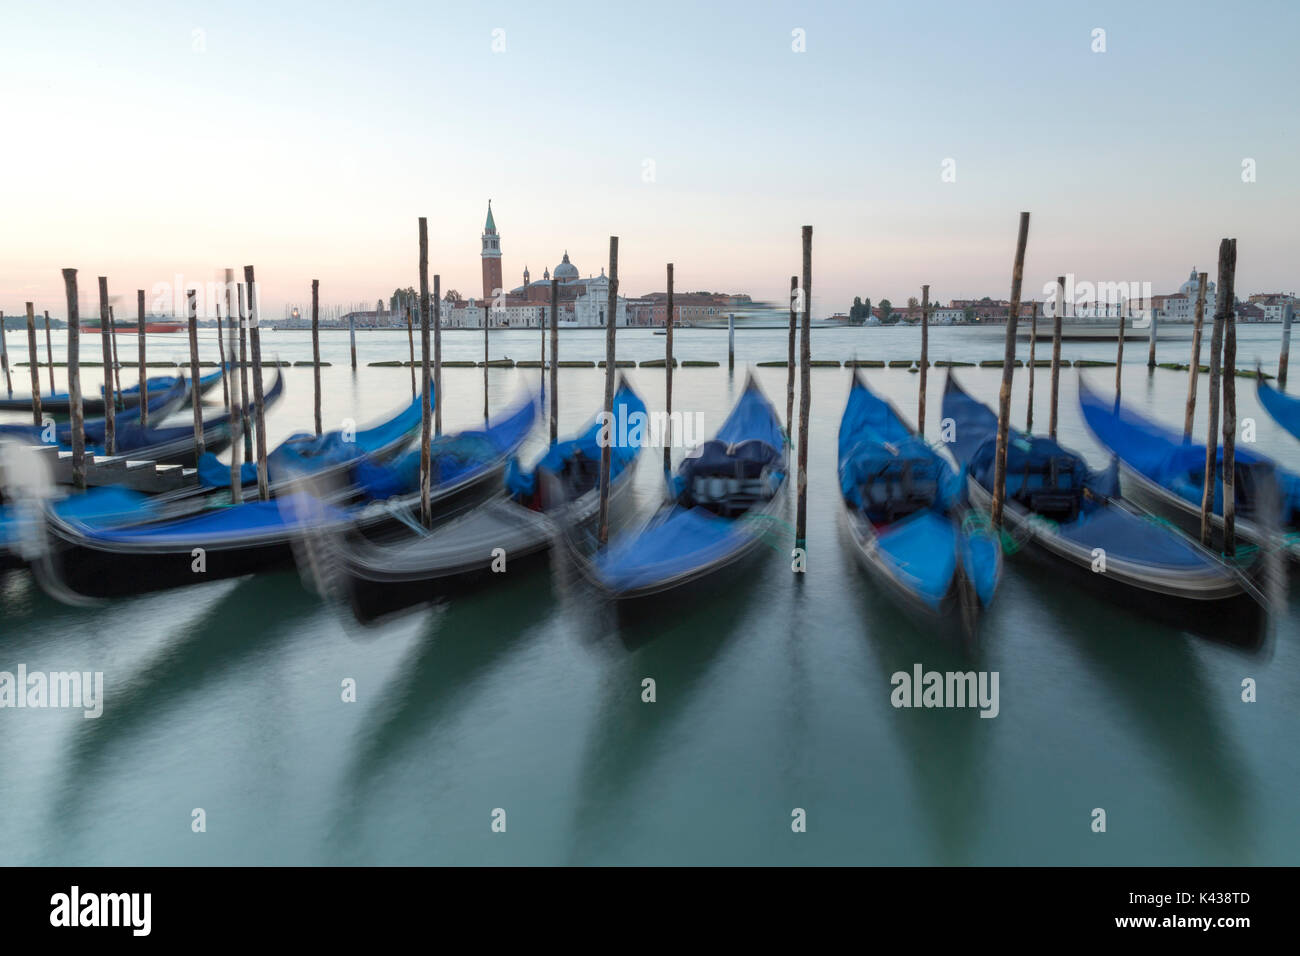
x=1181 y=305
x=1273 y=304
x=582 y=302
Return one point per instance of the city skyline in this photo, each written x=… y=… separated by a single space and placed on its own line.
x=308 y=147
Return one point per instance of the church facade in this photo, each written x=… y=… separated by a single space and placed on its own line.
x=582 y=302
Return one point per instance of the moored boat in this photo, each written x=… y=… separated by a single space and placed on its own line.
x=905 y=516
x=1059 y=510
x=722 y=500
x=496 y=539
x=1166 y=474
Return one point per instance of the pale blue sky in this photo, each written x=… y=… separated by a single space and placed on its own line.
x=307 y=139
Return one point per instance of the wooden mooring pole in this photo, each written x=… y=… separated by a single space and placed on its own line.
x=805 y=397
x=731 y=341
x=426 y=515
x=141 y=360
x=611 y=321
x=925 y=359
x=1284 y=357
x=117 y=366
x=410 y=343
x=315 y=352
x=1152 y=335
x=247 y=428
x=1226 y=303
x=1194 y=372
x=1119 y=356
x=555 y=357
x=1033 y=355
x=196 y=401
x=106 y=347
x=34 y=364
x=789 y=364
x=668 y=374
x=486 y=359
x=237 y=398
x=4 y=356
x=1212 y=431
x=352 y=337
x=221 y=354
x=1056 y=354
x=49 y=350
x=1008 y=369
x=437 y=354
x=75 y=409
x=259 y=406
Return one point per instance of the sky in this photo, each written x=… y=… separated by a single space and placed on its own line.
x=147 y=141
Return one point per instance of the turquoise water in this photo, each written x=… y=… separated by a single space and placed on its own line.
x=773 y=693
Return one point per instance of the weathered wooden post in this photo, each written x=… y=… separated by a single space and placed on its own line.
x=352 y=337
x=668 y=374
x=426 y=512
x=4 y=356
x=117 y=366
x=34 y=364
x=410 y=342
x=1226 y=251
x=243 y=374
x=437 y=354
x=1152 y=335
x=1008 y=369
x=1288 y=315
x=259 y=409
x=1119 y=356
x=486 y=358
x=49 y=351
x=1226 y=303
x=144 y=370
x=805 y=396
x=75 y=410
x=789 y=364
x=1056 y=353
x=731 y=341
x=237 y=399
x=315 y=351
x=1194 y=373
x=196 y=401
x=1033 y=355
x=555 y=358
x=925 y=358
x=221 y=353
x=611 y=321
x=106 y=347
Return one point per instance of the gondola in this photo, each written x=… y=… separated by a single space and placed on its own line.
x=723 y=498
x=1167 y=475
x=905 y=516
x=174 y=444
x=86 y=559
x=94 y=429
x=107 y=506
x=1284 y=408
x=504 y=534
x=232 y=540
x=466 y=468
x=1060 y=512
x=60 y=403
x=324 y=460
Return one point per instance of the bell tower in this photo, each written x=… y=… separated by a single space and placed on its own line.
x=491 y=257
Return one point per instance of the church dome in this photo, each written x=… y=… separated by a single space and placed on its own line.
x=566 y=271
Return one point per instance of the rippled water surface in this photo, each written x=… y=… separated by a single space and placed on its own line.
x=772 y=693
